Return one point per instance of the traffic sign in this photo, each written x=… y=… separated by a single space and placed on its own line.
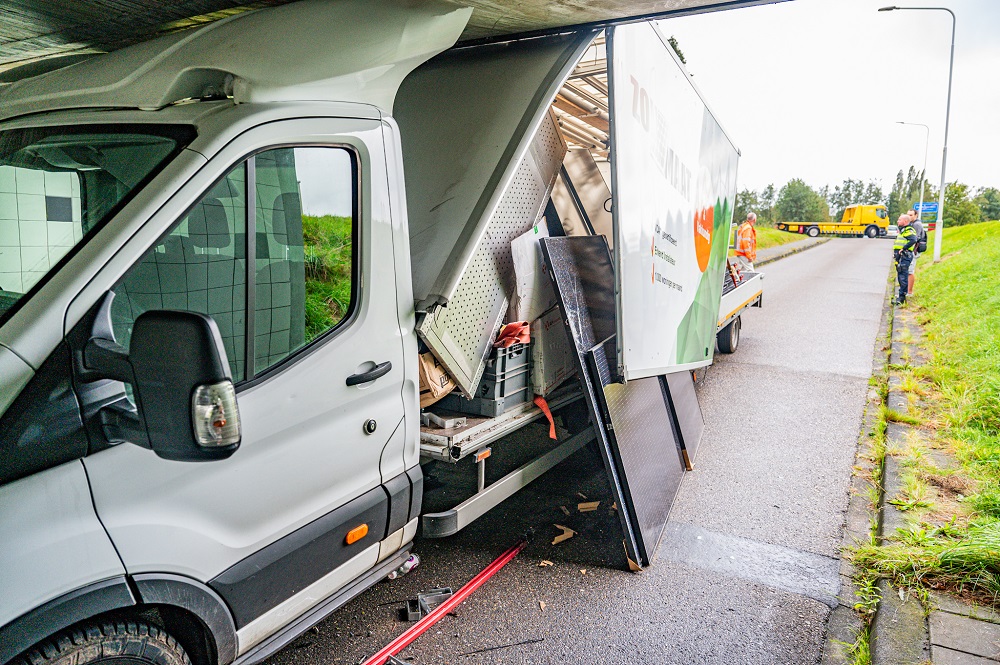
x=927 y=206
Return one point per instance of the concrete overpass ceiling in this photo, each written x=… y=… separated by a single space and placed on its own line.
x=48 y=34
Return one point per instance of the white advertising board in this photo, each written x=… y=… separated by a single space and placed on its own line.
x=674 y=185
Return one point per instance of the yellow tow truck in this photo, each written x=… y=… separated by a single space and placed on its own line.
x=858 y=221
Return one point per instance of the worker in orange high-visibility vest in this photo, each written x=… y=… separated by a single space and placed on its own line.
x=746 y=243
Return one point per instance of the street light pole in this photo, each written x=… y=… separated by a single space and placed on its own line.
x=947 y=113
x=923 y=173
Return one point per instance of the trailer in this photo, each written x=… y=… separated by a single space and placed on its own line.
x=740 y=292
x=858 y=221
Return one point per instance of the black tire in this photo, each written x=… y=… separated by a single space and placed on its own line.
x=729 y=337
x=813 y=231
x=872 y=231
x=109 y=643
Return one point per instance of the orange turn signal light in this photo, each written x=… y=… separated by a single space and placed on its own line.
x=356 y=534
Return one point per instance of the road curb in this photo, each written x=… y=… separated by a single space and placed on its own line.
x=846 y=623
x=900 y=634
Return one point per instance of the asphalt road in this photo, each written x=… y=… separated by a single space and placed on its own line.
x=748 y=567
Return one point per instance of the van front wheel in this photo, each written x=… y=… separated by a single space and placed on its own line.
x=109 y=643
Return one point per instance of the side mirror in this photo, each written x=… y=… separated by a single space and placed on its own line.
x=183 y=389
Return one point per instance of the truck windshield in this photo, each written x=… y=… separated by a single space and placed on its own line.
x=58 y=185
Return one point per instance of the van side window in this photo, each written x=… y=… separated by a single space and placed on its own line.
x=200 y=266
x=304 y=249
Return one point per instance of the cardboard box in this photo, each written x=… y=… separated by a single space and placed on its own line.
x=552 y=355
x=435 y=382
x=533 y=292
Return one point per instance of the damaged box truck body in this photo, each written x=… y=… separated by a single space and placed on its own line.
x=209 y=257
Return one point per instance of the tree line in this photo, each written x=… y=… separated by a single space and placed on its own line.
x=796 y=201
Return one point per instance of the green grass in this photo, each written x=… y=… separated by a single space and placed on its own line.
x=893 y=416
x=953 y=541
x=969 y=563
x=328 y=267
x=960 y=310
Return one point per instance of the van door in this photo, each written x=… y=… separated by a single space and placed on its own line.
x=280 y=247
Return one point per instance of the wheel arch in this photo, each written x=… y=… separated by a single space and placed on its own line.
x=62 y=612
x=188 y=610
x=193 y=613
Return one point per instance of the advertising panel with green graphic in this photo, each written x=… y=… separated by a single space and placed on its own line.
x=674 y=184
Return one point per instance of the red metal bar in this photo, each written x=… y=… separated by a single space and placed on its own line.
x=420 y=627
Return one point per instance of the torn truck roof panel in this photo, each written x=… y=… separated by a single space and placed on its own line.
x=32 y=31
x=289 y=53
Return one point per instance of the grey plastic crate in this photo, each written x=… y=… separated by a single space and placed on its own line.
x=505 y=383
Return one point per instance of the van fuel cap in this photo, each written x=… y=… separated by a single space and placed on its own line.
x=370 y=426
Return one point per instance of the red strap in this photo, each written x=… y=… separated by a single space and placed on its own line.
x=515 y=332
x=544 y=406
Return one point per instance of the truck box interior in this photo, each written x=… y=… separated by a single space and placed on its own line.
x=499 y=140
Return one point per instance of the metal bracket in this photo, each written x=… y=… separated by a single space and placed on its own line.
x=449 y=522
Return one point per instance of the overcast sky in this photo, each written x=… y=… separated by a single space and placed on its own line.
x=811 y=89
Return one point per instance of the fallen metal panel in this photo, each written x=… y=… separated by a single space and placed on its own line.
x=461 y=335
x=582 y=272
x=633 y=421
x=643 y=439
x=688 y=421
x=467 y=118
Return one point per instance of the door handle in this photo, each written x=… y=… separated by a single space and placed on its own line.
x=370 y=375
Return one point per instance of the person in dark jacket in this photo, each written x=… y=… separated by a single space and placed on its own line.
x=918 y=226
x=902 y=253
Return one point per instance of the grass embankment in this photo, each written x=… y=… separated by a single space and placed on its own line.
x=950 y=461
x=768 y=237
x=328 y=263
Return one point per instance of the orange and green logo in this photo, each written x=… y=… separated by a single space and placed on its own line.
x=703 y=226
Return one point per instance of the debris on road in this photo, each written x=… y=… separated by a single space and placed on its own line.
x=541 y=605
x=582 y=495
x=503 y=646
x=587 y=507
x=565 y=510
x=425 y=603
x=544 y=563
x=566 y=534
x=416 y=630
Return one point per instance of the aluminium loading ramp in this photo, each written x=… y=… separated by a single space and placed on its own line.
x=636 y=428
